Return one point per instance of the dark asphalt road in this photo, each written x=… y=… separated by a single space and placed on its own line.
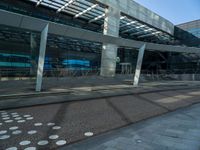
x=53 y=126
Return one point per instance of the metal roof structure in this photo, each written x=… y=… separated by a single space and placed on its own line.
x=78 y=8
x=93 y=12
x=28 y=23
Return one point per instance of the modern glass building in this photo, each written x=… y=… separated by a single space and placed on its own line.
x=97 y=36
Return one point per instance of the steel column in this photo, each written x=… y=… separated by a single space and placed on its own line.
x=43 y=42
x=139 y=65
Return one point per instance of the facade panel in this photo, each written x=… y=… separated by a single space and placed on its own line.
x=192 y=27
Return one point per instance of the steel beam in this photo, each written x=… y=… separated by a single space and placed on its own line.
x=139 y=65
x=43 y=42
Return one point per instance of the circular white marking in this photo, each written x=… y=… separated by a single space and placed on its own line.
x=24 y=142
x=14 y=128
x=3 y=116
x=37 y=124
x=4 y=113
x=88 y=133
x=6 y=118
x=61 y=142
x=30 y=148
x=32 y=132
x=4 y=137
x=43 y=142
x=3 y=131
x=1 y=124
x=15 y=113
x=29 y=118
x=8 y=121
x=56 y=127
x=16 y=132
x=20 y=121
x=50 y=124
x=18 y=118
x=27 y=115
x=53 y=137
x=139 y=141
x=11 y=148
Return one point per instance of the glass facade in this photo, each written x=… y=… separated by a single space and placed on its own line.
x=192 y=27
x=63 y=54
x=195 y=31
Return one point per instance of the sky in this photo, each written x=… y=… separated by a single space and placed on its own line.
x=176 y=11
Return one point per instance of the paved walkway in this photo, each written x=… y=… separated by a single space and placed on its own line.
x=62 y=84
x=89 y=83
x=56 y=125
x=179 y=130
x=14 y=94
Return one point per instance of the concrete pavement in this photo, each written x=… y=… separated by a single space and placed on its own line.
x=15 y=94
x=179 y=130
x=57 y=125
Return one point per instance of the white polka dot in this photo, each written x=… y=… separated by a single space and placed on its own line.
x=27 y=115
x=24 y=142
x=18 y=118
x=11 y=148
x=56 y=127
x=30 y=148
x=61 y=142
x=15 y=113
x=3 y=131
x=21 y=121
x=50 y=124
x=43 y=142
x=138 y=141
x=13 y=128
x=4 y=137
x=4 y=113
x=16 y=132
x=29 y=118
x=53 y=137
x=8 y=121
x=6 y=118
x=1 y=124
x=37 y=124
x=32 y=132
x=88 y=134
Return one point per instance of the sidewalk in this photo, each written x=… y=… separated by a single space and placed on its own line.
x=15 y=94
x=68 y=122
x=61 y=84
x=179 y=130
x=89 y=83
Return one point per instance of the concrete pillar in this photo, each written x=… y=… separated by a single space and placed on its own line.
x=43 y=42
x=109 y=51
x=33 y=50
x=139 y=65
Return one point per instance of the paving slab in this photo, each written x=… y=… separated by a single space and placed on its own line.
x=167 y=100
x=53 y=126
x=71 y=121
x=137 y=137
